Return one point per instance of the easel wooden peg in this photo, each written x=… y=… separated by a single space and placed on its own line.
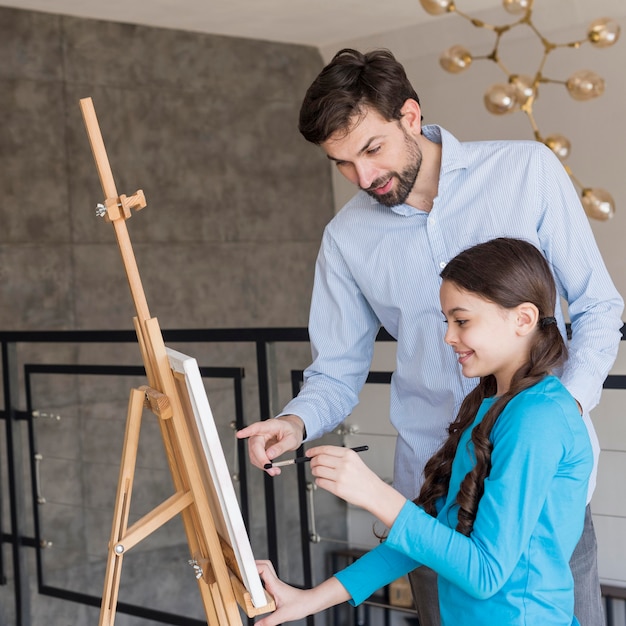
x=120 y=208
x=135 y=202
x=157 y=403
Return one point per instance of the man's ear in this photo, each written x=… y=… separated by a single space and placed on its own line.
x=527 y=318
x=412 y=115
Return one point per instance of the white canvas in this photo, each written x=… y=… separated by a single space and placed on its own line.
x=220 y=474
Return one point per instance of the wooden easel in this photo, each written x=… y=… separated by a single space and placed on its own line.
x=219 y=579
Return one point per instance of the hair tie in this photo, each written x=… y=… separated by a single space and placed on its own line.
x=546 y=321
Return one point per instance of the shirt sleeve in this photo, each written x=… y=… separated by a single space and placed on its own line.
x=374 y=570
x=525 y=461
x=342 y=329
x=594 y=305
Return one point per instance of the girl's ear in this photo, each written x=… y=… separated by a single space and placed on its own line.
x=527 y=318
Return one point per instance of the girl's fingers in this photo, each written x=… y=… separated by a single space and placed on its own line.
x=264 y=566
x=331 y=451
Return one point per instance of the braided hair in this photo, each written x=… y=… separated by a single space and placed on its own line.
x=507 y=272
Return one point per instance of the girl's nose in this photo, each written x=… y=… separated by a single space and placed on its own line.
x=450 y=336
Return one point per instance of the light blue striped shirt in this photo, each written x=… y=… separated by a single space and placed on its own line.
x=380 y=266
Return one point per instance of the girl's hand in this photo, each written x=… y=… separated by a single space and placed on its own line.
x=294 y=604
x=342 y=472
x=290 y=604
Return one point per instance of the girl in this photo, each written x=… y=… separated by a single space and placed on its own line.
x=502 y=505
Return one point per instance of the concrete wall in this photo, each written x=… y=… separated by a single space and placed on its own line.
x=206 y=126
x=237 y=200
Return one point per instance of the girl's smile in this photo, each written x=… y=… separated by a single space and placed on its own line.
x=463 y=356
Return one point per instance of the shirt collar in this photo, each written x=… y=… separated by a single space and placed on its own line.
x=452 y=152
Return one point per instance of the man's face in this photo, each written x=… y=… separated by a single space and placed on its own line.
x=381 y=157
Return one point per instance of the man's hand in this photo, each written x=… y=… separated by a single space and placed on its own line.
x=268 y=439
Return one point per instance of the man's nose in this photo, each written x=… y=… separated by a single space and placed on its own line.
x=366 y=174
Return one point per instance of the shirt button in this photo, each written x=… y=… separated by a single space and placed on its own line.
x=442 y=264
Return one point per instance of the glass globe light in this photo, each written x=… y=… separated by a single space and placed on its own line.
x=517 y=6
x=455 y=59
x=585 y=85
x=524 y=88
x=501 y=98
x=559 y=144
x=603 y=32
x=598 y=203
x=437 y=7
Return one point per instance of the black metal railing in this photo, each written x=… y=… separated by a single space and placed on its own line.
x=14 y=371
x=16 y=380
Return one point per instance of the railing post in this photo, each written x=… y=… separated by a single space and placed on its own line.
x=267 y=382
x=17 y=490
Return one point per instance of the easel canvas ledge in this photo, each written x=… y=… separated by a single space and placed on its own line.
x=204 y=495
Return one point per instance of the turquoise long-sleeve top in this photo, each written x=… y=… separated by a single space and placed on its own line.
x=514 y=567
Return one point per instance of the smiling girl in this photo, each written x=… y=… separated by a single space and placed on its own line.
x=503 y=502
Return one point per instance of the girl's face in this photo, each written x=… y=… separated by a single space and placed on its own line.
x=487 y=338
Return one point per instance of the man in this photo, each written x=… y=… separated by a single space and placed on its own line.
x=424 y=197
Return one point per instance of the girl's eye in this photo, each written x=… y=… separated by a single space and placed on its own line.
x=461 y=322
x=373 y=150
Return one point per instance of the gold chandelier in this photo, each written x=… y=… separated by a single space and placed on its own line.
x=520 y=91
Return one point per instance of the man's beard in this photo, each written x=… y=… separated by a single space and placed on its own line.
x=404 y=180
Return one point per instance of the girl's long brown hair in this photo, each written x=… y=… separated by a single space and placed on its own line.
x=507 y=272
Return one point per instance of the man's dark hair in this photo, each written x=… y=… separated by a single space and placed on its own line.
x=350 y=83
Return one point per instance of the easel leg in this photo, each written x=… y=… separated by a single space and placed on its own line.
x=122 y=507
x=212 y=595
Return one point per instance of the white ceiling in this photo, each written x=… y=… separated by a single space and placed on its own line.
x=402 y=25
x=317 y=23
